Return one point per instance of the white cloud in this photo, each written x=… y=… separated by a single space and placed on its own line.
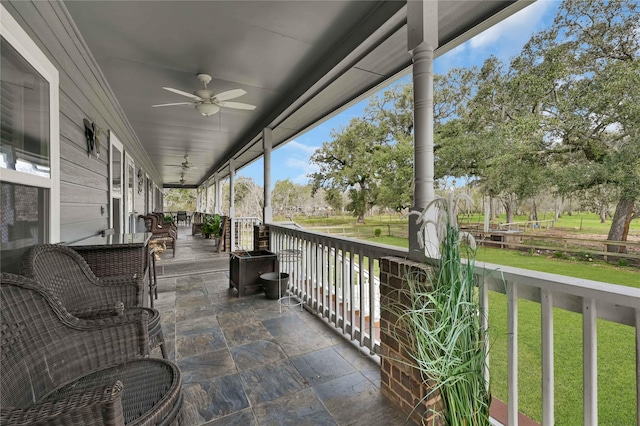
x=520 y=25
x=303 y=149
x=299 y=169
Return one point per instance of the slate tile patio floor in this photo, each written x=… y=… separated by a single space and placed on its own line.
x=246 y=363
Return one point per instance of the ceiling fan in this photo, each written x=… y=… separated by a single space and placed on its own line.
x=182 y=180
x=186 y=164
x=208 y=103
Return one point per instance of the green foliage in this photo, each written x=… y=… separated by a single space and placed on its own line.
x=167 y=219
x=177 y=199
x=347 y=163
x=212 y=225
x=377 y=232
x=439 y=312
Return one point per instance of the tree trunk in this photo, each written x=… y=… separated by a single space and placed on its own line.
x=510 y=207
x=570 y=210
x=533 y=215
x=559 y=205
x=620 y=225
x=603 y=214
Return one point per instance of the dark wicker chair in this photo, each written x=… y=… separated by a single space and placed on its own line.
x=161 y=221
x=182 y=217
x=159 y=231
x=58 y=369
x=67 y=276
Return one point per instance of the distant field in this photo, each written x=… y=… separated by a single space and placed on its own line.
x=583 y=223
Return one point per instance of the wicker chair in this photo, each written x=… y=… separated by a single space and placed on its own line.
x=58 y=369
x=161 y=221
x=67 y=276
x=158 y=231
x=182 y=217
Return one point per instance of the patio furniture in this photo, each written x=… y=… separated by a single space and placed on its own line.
x=65 y=274
x=182 y=217
x=160 y=231
x=58 y=369
x=197 y=220
x=161 y=221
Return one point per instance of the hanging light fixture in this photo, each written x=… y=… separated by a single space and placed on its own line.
x=207 y=109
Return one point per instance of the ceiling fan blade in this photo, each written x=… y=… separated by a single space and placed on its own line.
x=172 y=104
x=237 y=105
x=183 y=93
x=230 y=94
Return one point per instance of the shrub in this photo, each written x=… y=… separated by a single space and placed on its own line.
x=377 y=232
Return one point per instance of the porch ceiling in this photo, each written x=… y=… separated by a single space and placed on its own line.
x=299 y=62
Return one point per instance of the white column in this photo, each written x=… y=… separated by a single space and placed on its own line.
x=422 y=33
x=206 y=197
x=218 y=196
x=232 y=208
x=267 y=144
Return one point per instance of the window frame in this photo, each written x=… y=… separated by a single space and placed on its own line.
x=13 y=33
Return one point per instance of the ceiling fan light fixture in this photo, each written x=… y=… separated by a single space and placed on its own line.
x=207 y=109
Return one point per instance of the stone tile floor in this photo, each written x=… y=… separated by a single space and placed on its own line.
x=246 y=362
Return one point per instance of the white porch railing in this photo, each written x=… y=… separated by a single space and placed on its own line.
x=326 y=273
x=592 y=299
x=243 y=232
x=331 y=275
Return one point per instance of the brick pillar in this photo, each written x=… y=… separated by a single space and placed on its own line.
x=400 y=382
x=260 y=237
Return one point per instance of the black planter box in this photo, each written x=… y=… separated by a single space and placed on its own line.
x=245 y=268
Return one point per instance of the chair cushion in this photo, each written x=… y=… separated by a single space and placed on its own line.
x=151 y=389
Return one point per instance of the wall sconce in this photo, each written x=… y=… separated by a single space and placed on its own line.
x=102 y=209
x=92 y=132
x=140 y=181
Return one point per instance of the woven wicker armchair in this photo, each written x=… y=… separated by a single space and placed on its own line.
x=161 y=222
x=58 y=369
x=64 y=273
x=160 y=231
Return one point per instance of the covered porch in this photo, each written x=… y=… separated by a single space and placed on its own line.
x=245 y=361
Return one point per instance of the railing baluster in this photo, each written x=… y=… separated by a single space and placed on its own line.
x=333 y=301
x=362 y=300
x=372 y=304
x=348 y=309
x=512 y=353
x=548 y=382
x=590 y=359
x=484 y=322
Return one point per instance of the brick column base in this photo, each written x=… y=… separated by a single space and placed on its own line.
x=260 y=237
x=400 y=382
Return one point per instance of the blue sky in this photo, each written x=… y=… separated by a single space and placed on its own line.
x=504 y=40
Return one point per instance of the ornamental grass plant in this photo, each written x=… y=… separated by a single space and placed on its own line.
x=439 y=324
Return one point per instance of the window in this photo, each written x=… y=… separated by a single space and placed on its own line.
x=29 y=143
